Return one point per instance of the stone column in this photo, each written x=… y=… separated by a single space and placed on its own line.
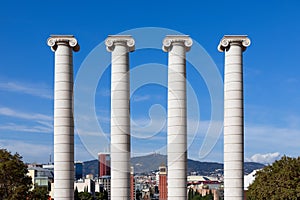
x=177 y=46
x=63 y=45
x=233 y=46
x=120 y=46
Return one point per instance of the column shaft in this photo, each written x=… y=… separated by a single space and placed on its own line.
x=63 y=124
x=177 y=116
x=63 y=116
x=177 y=134
x=233 y=116
x=120 y=124
x=120 y=117
x=233 y=124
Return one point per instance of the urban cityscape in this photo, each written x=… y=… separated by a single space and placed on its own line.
x=94 y=177
x=161 y=100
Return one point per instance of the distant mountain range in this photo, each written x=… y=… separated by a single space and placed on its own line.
x=150 y=163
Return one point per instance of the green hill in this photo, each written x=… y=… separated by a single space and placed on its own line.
x=148 y=163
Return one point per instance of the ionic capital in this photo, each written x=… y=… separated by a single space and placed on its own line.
x=171 y=40
x=229 y=40
x=114 y=40
x=55 y=40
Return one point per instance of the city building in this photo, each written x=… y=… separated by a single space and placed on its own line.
x=205 y=185
x=249 y=179
x=204 y=182
x=104 y=164
x=41 y=177
x=50 y=167
x=78 y=170
x=105 y=184
x=163 y=185
x=104 y=173
x=132 y=184
x=216 y=193
x=87 y=184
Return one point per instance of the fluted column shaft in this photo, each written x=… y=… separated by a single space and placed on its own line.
x=233 y=116
x=177 y=122
x=63 y=116
x=120 y=46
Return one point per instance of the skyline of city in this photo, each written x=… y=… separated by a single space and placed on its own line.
x=271 y=73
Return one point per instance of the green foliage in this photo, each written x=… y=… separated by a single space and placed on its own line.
x=39 y=193
x=195 y=195
x=85 y=196
x=14 y=181
x=209 y=196
x=101 y=196
x=280 y=181
x=105 y=195
x=190 y=194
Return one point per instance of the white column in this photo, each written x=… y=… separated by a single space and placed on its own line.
x=120 y=46
x=63 y=45
x=177 y=46
x=233 y=46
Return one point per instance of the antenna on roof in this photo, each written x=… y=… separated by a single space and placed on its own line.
x=50 y=161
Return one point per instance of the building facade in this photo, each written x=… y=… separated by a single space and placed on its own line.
x=104 y=164
x=163 y=185
x=132 y=184
x=105 y=184
x=78 y=170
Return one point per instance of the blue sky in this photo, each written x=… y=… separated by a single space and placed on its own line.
x=271 y=71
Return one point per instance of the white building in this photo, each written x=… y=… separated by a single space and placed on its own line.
x=248 y=179
x=87 y=184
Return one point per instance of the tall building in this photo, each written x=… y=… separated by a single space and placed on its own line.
x=104 y=164
x=104 y=173
x=163 y=185
x=78 y=170
x=132 y=184
x=105 y=184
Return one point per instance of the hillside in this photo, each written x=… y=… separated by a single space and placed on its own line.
x=144 y=164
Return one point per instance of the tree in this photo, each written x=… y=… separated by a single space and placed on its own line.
x=38 y=193
x=14 y=181
x=101 y=195
x=138 y=194
x=197 y=193
x=105 y=195
x=76 y=196
x=85 y=196
x=281 y=180
x=197 y=196
x=208 y=196
x=98 y=196
x=190 y=194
